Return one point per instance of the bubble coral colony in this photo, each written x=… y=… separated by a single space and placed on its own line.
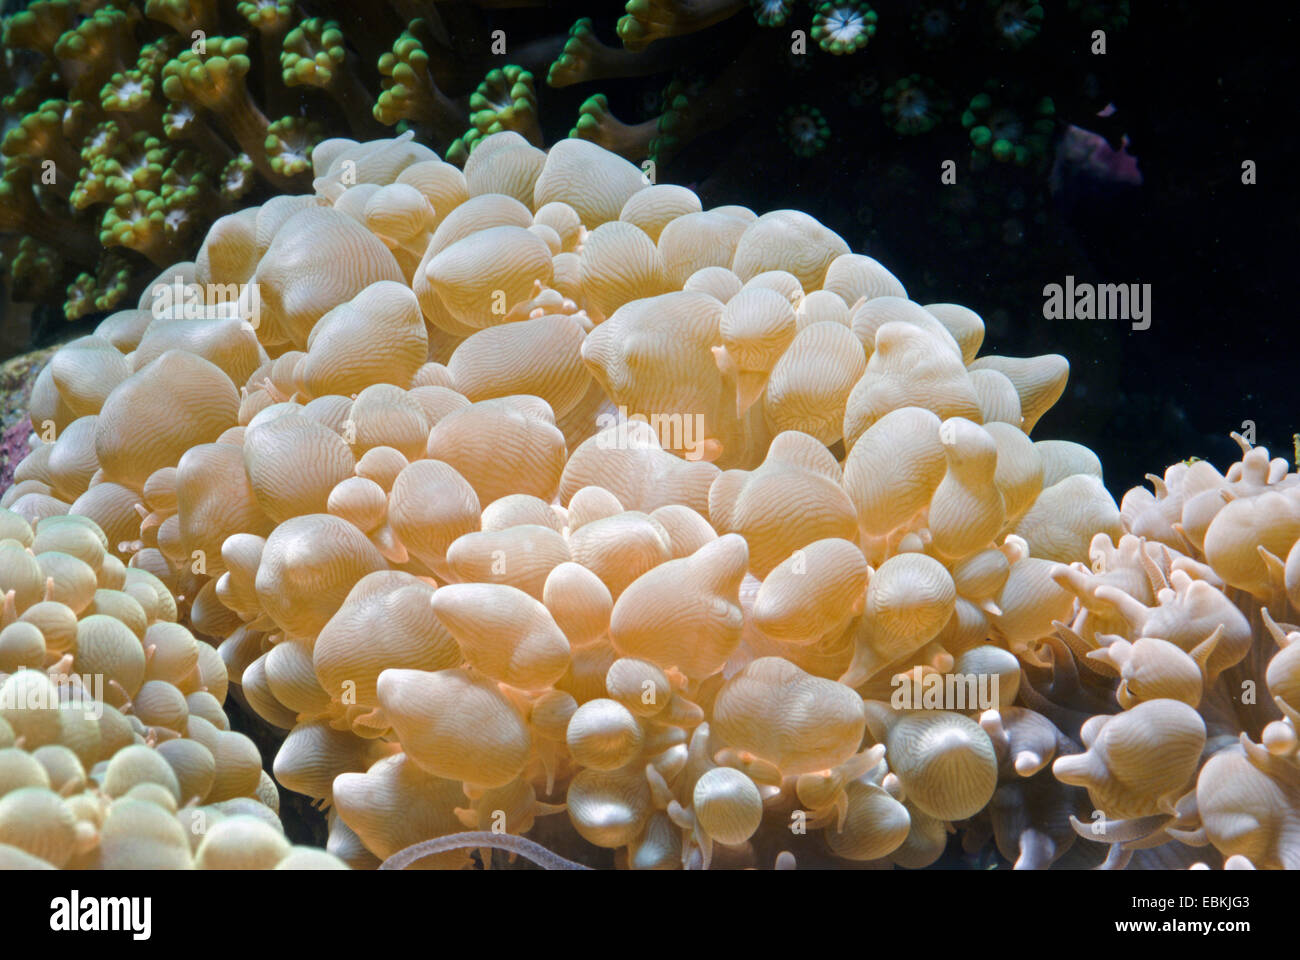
x=535 y=499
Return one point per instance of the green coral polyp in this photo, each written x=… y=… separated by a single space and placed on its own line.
x=312 y=52
x=237 y=177
x=582 y=36
x=1004 y=134
x=40 y=26
x=506 y=100
x=805 y=130
x=771 y=13
x=912 y=106
x=212 y=79
x=100 y=291
x=35 y=268
x=266 y=15
x=85 y=80
x=845 y=27
x=127 y=92
x=289 y=143
x=1016 y=22
x=183 y=16
x=137 y=164
x=405 y=72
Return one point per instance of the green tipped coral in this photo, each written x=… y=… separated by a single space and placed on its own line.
x=137 y=164
x=843 y=26
x=312 y=53
x=597 y=124
x=410 y=91
x=267 y=16
x=105 y=289
x=211 y=78
x=771 y=13
x=132 y=123
x=804 y=130
x=40 y=26
x=289 y=143
x=648 y=20
x=128 y=92
x=1017 y=23
x=35 y=269
x=1007 y=134
x=912 y=106
x=506 y=100
x=569 y=66
x=94 y=50
x=184 y=16
x=38 y=138
x=237 y=178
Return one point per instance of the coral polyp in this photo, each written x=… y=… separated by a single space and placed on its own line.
x=1016 y=23
x=771 y=13
x=1007 y=131
x=913 y=106
x=805 y=130
x=843 y=27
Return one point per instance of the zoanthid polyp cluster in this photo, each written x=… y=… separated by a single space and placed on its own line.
x=539 y=491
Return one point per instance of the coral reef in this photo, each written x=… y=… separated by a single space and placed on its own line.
x=536 y=499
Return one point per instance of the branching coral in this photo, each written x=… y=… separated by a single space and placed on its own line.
x=537 y=493
x=130 y=131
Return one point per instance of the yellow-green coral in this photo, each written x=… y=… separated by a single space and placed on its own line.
x=105 y=289
x=506 y=100
x=40 y=26
x=313 y=55
x=289 y=143
x=597 y=124
x=410 y=92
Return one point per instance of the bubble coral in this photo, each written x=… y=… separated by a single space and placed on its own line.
x=1191 y=610
x=116 y=753
x=814 y=571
